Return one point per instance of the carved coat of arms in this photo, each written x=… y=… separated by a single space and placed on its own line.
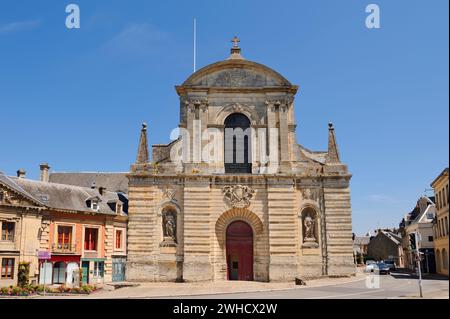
x=239 y=195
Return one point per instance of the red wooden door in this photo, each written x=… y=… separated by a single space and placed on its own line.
x=239 y=251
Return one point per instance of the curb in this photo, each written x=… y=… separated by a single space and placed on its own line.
x=238 y=292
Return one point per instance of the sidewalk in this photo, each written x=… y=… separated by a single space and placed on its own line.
x=171 y=289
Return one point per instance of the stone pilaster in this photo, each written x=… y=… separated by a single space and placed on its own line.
x=283 y=248
x=197 y=265
x=338 y=227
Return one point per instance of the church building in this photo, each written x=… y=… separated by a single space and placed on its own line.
x=235 y=197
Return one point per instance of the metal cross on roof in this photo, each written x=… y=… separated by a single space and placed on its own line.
x=235 y=41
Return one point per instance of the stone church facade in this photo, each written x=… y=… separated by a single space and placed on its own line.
x=215 y=206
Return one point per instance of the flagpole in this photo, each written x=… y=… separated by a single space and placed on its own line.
x=195 y=43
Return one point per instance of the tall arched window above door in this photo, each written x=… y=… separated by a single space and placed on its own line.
x=237 y=144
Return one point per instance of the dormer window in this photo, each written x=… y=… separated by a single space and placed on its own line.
x=119 y=208
x=94 y=205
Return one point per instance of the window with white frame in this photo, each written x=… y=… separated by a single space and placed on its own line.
x=7 y=230
x=90 y=239
x=7 y=271
x=94 y=205
x=119 y=239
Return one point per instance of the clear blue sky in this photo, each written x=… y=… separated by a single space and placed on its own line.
x=76 y=98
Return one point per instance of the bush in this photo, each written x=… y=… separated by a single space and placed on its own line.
x=86 y=289
x=23 y=274
x=30 y=289
x=4 y=291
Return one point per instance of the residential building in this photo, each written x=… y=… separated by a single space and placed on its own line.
x=420 y=221
x=360 y=248
x=20 y=222
x=386 y=244
x=84 y=229
x=441 y=226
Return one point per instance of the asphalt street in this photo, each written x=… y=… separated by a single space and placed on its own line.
x=396 y=285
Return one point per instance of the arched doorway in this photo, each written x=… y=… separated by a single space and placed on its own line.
x=237 y=148
x=239 y=250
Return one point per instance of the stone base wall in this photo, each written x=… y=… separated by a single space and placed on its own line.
x=203 y=214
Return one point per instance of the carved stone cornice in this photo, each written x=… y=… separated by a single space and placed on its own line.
x=281 y=103
x=193 y=103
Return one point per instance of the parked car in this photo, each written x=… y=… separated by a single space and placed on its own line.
x=370 y=266
x=391 y=264
x=382 y=268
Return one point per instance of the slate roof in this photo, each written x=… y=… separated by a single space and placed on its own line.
x=361 y=240
x=62 y=197
x=113 y=182
x=394 y=237
x=12 y=185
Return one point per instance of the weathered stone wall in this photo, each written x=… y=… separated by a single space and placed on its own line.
x=274 y=214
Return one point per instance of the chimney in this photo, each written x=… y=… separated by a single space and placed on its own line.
x=44 y=172
x=101 y=190
x=21 y=173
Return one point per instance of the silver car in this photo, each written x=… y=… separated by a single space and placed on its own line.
x=370 y=266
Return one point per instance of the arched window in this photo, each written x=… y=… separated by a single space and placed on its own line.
x=444 y=259
x=237 y=147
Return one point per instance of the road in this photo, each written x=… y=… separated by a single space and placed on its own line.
x=396 y=285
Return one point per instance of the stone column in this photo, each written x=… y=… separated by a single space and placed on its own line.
x=273 y=140
x=190 y=130
x=203 y=117
x=284 y=141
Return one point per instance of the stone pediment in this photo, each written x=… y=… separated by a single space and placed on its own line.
x=236 y=78
x=11 y=198
x=241 y=73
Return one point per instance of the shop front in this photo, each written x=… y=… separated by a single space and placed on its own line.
x=59 y=270
x=93 y=270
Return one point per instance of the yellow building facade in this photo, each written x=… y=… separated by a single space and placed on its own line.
x=441 y=227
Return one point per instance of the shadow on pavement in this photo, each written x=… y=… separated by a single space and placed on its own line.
x=408 y=274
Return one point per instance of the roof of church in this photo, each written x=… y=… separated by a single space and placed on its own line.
x=261 y=75
x=114 y=182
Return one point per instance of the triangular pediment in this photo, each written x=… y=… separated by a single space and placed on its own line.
x=10 y=197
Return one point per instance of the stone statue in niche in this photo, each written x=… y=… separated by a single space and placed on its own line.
x=309 y=227
x=169 y=224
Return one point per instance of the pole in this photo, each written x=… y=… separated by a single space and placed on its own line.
x=45 y=272
x=418 y=263
x=195 y=43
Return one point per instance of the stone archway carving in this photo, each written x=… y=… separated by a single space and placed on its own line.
x=237 y=214
x=231 y=108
